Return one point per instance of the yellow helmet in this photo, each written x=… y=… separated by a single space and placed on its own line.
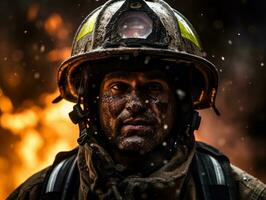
x=133 y=28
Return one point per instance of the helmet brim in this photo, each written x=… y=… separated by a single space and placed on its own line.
x=203 y=66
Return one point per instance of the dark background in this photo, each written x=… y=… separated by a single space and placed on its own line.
x=232 y=34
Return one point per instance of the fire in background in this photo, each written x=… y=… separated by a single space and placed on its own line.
x=36 y=37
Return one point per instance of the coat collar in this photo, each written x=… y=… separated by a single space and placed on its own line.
x=173 y=172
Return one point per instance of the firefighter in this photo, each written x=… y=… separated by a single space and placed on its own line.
x=137 y=75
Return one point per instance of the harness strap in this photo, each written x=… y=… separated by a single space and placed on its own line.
x=220 y=179
x=60 y=178
x=212 y=173
x=53 y=177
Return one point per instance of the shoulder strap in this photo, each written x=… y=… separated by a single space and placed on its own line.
x=58 y=180
x=212 y=172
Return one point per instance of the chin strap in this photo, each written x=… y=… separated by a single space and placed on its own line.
x=215 y=109
x=80 y=117
x=196 y=119
x=193 y=124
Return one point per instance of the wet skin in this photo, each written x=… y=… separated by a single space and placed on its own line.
x=137 y=110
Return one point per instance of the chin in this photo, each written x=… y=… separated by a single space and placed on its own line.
x=134 y=144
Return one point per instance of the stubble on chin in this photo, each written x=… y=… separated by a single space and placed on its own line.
x=140 y=144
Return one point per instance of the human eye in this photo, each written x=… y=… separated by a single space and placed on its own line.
x=154 y=87
x=118 y=88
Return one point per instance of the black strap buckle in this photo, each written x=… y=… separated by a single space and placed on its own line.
x=77 y=114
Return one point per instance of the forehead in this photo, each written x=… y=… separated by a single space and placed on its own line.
x=139 y=75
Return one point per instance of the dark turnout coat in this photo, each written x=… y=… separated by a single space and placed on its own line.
x=177 y=179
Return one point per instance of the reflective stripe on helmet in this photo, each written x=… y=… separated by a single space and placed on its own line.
x=186 y=31
x=88 y=26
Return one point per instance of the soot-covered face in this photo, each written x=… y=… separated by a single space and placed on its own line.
x=137 y=110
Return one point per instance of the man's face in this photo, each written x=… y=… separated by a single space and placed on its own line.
x=137 y=110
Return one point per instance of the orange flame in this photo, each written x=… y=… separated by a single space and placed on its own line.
x=38 y=132
x=42 y=133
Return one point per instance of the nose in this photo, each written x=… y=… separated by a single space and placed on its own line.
x=135 y=104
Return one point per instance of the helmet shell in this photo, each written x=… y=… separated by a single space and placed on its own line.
x=172 y=38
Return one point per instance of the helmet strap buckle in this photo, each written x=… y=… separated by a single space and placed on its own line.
x=78 y=116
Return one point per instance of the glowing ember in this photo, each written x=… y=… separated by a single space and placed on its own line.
x=55 y=26
x=53 y=23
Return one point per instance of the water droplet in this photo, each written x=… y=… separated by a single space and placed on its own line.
x=164 y=144
x=180 y=94
x=165 y=127
x=230 y=42
x=147 y=60
x=25 y=31
x=36 y=57
x=95 y=132
x=42 y=49
x=223 y=58
x=147 y=101
x=177 y=191
x=238 y=34
x=262 y=64
x=80 y=91
x=36 y=75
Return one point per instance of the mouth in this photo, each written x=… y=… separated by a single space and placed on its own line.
x=137 y=121
x=136 y=126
